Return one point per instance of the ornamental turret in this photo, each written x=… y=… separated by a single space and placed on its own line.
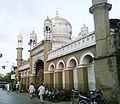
x=83 y=31
x=33 y=39
x=20 y=41
x=47 y=29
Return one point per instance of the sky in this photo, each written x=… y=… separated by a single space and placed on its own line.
x=25 y=16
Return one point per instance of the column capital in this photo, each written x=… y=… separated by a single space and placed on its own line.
x=105 y=5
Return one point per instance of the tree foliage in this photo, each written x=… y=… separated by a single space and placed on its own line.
x=6 y=78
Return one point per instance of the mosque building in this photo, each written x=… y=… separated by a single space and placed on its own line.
x=60 y=62
x=57 y=56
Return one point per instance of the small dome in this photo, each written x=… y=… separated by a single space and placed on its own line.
x=20 y=37
x=47 y=21
x=20 y=40
x=84 y=28
x=83 y=31
x=33 y=35
x=61 y=26
x=33 y=38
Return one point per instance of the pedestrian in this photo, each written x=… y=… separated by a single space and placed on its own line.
x=41 y=90
x=8 y=87
x=17 y=87
x=31 y=90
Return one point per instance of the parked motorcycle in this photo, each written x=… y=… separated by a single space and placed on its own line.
x=50 y=94
x=95 y=97
x=56 y=95
x=64 y=95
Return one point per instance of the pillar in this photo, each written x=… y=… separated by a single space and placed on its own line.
x=58 y=79
x=105 y=62
x=49 y=81
x=69 y=84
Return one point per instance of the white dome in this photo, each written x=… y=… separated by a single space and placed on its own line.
x=20 y=40
x=60 y=31
x=61 y=26
x=33 y=35
x=20 y=37
x=83 y=31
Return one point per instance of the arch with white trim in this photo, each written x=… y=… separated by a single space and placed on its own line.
x=72 y=63
x=87 y=61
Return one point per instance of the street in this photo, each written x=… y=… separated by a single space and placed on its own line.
x=21 y=98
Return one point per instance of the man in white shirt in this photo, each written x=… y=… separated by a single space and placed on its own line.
x=31 y=90
x=8 y=87
x=41 y=90
x=17 y=87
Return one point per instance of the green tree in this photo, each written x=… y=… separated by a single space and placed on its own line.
x=6 y=78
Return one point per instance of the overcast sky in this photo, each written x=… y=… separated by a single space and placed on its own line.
x=24 y=16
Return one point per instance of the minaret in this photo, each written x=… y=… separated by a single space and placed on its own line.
x=105 y=63
x=47 y=29
x=19 y=53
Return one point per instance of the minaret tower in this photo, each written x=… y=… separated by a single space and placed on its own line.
x=47 y=29
x=105 y=62
x=19 y=53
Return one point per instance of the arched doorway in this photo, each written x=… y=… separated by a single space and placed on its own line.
x=89 y=63
x=71 y=65
x=39 y=72
x=52 y=81
x=60 y=75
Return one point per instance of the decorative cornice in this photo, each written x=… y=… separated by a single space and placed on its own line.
x=105 y=5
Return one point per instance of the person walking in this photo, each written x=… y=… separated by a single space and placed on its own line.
x=17 y=87
x=31 y=90
x=41 y=90
x=8 y=87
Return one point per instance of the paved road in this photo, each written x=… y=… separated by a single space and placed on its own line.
x=21 y=98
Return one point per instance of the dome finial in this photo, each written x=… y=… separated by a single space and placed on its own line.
x=57 y=11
